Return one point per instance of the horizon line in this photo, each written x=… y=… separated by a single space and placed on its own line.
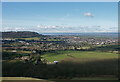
x=59 y=1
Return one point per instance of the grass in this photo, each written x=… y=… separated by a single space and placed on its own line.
x=90 y=78
x=84 y=48
x=25 y=79
x=82 y=78
x=38 y=38
x=96 y=78
x=79 y=55
x=33 y=38
x=26 y=52
x=53 y=40
x=19 y=51
x=74 y=65
x=19 y=78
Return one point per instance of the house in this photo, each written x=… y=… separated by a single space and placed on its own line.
x=14 y=51
x=25 y=58
x=56 y=62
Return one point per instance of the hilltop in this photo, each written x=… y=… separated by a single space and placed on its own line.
x=20 y=34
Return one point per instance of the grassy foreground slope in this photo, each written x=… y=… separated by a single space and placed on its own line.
x=80 y=56
x=19 y=78
x=72 y=64
x=22 y=79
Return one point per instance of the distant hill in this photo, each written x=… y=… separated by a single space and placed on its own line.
x=20 y=34
x=89 y=34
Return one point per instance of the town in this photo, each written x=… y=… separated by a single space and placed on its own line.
x=40 y=44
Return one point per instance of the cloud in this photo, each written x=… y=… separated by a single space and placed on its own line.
x=49 y=26
x=13 y=29
x=61 y=28
x=88 y=14
x=38 y=26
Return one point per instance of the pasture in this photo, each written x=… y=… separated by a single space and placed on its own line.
x=72 y=65
x=80 y=56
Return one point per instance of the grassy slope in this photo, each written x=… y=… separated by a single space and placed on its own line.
x=79 y=55
x=89 y=63
x=33 y=38
x=95 y=78
x=19 y=78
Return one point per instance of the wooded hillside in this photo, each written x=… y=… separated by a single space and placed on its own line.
x=20 y=34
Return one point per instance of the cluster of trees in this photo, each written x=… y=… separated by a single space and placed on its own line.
x=10 y=55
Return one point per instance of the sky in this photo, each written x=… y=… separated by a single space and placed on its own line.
x=62 y=17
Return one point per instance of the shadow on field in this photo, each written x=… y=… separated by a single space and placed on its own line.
x=63 y=70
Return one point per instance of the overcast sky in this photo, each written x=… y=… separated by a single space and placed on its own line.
x=52 y=17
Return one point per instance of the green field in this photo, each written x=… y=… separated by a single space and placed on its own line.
x=19 y=51
x=81 y=56
x=33 y=38
x=19 y=78
x=95 y=78
x=74 y=65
